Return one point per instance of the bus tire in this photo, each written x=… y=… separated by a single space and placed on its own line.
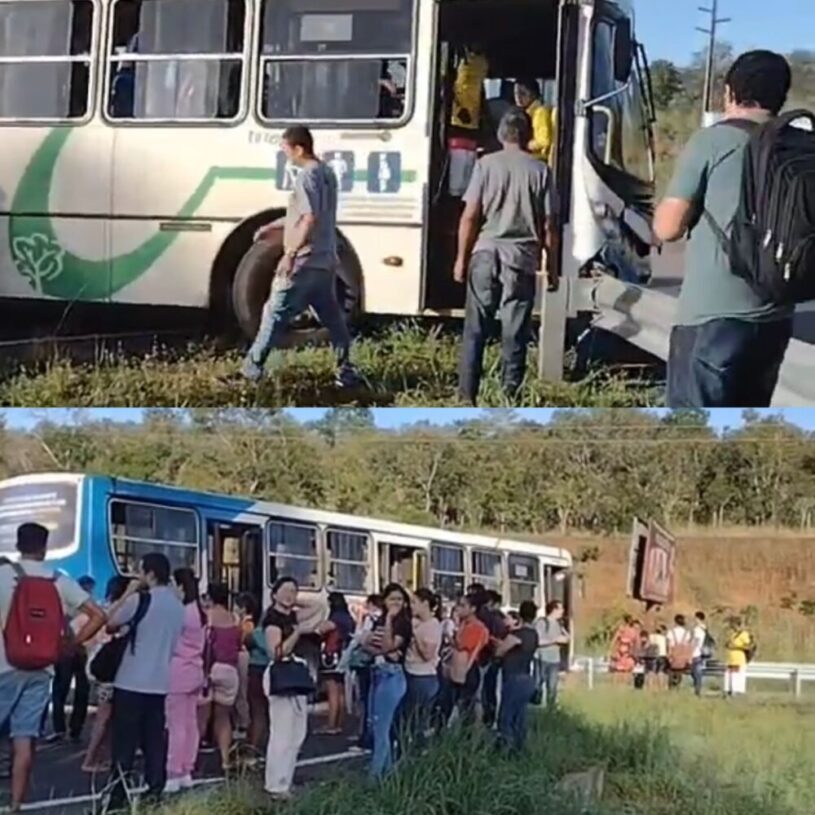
x=253 y=282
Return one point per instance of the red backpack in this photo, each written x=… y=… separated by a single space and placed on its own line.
x=35 y=625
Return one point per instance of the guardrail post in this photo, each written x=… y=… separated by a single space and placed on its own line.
x=590 y=672
x=796 y=683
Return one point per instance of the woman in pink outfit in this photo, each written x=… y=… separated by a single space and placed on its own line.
x=186 y=683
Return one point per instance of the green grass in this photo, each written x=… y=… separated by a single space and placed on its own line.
x=665 y=754
x=403 y=366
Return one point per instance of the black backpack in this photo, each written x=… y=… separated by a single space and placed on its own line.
x=771 y=243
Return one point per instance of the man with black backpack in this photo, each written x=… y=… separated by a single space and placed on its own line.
x=745 y=191
x=35 y=601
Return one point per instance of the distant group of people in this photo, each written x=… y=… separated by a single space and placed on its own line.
x=659 y=659
x=172 y=669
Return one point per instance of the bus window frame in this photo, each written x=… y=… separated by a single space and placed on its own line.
x=319 y=550
x=537 y=583
x=433 y=572
x=259 y=66
x=108 y=59
x=329 y=560
x=135 y=501
x=479 y=578
x=92 y=60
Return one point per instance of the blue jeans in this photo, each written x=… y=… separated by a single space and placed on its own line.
x=489 y=693
x=517 y=691
x=421 y=697
x=547 y=676
x=291 y=296
x=495 y=288
x=387 y=691
x=24 y=697
x=697 y=669
x=726 y=363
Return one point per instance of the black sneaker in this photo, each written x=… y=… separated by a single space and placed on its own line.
x=348 y=378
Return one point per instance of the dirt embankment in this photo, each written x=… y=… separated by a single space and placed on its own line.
x=720 y=573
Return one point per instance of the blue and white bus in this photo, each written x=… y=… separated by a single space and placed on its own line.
x=103 y=526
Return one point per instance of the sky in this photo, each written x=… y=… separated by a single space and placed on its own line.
x=667 y=28
x=23 y=418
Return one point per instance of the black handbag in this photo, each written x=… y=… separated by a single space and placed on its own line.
x=289 y=677
x=105 y=665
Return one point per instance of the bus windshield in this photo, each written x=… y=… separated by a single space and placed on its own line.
x=52 y=504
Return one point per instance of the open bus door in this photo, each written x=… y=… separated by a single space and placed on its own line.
x=402 y=562
x=236 y=557
x=559 y=585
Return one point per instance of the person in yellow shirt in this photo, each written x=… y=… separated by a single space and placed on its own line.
x=740 y=647
x=528 y=97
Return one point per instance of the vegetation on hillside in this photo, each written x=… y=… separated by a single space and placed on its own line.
x=583 y=471
x=678 y=97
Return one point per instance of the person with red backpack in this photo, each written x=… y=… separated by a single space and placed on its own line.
x=34 y=604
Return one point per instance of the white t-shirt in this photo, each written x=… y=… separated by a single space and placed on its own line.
x=699 y=636
x=678 y=635
x=429 y=632
x=73 y=596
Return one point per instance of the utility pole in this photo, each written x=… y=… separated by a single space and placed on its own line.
x=715 y=22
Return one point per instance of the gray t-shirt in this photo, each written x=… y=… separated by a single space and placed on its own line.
x=548 y=631
x=709 y=175
x=514 y=191
x=146 y=669
x=315 y=193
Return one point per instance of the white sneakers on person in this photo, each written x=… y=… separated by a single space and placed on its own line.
x=172 y=786
x=186 y=782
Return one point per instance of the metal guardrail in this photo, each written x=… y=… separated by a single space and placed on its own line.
x=644 y=317
x=793 y=673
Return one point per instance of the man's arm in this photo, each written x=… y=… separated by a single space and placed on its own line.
x=77 y=602
x=505 y=645
x=686 y=192
x=95 y=619
x=469 y=224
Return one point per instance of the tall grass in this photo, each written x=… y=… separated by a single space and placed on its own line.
x=405 y=365
x=667 y=754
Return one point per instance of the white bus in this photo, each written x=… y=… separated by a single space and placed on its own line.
x=141 y=142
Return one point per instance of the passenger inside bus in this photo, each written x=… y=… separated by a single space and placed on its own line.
x=480 y=62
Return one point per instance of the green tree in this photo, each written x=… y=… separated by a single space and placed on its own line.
x=667 y=83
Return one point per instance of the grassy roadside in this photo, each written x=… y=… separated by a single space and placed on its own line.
x=664 y=755
x=403 y=366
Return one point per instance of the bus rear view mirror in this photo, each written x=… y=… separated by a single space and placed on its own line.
x=623 y=51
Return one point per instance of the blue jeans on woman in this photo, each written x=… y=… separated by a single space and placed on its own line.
x=517 y=691
x=421 y=696
x=387 y=691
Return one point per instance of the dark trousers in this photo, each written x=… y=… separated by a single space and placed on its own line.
x=138 y=721
x=71 y=669
x=463 y=697
x=494 y=288
x=417 y=710
x=489 y=693
x=517 y=691
x=726 y=363
x=365 y=735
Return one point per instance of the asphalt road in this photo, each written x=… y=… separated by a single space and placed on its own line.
x=60 y=787
x=667 y=278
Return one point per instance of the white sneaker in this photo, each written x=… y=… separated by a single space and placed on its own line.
x=172 y=786
x=186 y=782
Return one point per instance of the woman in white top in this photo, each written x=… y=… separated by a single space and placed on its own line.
x=422 y=663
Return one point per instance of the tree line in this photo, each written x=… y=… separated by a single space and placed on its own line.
x=584 y=471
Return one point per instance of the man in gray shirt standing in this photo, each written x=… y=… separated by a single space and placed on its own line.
x=505 y=226
x=552 y=635
x=305 y=275
x=152 y=611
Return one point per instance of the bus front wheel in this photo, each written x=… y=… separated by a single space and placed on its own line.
x=253 y=282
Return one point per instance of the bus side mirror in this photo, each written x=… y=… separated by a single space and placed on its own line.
x=623 y=51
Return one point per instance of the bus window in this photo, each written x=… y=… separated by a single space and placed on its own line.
x=488 y=570
x=176 y=60
x=45 y=46
x=293 y=553
x=524 y=579
x=619 y=126
x=335 y=60
x=139 y=529
x=447 y=569
x=348 y=560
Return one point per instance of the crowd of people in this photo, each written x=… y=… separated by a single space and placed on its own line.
x=659 y=659
x=173 y=669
